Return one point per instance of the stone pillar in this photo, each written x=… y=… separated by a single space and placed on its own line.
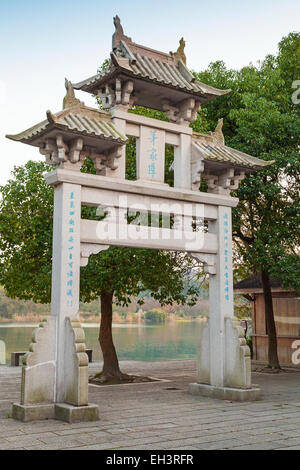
x=65 y=269
x=2 y=353
x=220 y=294
x=182 y=162
x=120 y=172
x=224 y=367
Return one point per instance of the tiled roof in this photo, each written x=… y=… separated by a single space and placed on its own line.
x=254 y=282
x=136 y=61
x=223 y=154
x=168 y=73
x=78 y=120
x=211 y=147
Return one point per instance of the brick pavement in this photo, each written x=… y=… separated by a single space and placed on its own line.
x=149 y=416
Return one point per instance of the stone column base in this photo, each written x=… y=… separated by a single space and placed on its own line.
x=59 y=411
x=76 y=414
x=226 y=393
x=28 y=413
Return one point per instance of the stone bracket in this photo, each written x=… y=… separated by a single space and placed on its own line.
x=209 y=261
x=185 y=112
x=72 y=156
x=119 y=93
x=88 y=249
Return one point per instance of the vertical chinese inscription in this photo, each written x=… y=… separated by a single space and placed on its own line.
x=152 y=154
x=226 y=256
x=70 y=245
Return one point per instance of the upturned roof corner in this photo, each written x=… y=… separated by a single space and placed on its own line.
x=157 y=76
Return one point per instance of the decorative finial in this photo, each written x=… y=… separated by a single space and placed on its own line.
x=180 y=54
x=118 y=34
x=50 y=117
x=218 y=135
x=70 y=98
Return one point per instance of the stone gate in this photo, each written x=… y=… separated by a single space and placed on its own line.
x=55 y=370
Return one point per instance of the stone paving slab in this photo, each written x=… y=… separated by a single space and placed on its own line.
x=149 y=416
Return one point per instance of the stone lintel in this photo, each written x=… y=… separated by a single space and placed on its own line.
x=103 y=182
x=150 y=122
x=226 y=393
x=76 y=414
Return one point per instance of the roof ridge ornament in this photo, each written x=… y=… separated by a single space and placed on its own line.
x=50 y=117
x=180 y=54
x=218 y=135
x=118 y=35
x=70 y=99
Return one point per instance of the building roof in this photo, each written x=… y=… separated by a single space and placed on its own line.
x=254 y=282
x=211 y=147
x=222 y=154
x=137 y=61
x=166 y=74
x=77 y=119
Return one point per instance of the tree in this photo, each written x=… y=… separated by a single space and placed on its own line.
x=25 y=265
x=261 y=119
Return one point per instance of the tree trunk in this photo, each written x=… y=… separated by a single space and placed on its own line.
x=270 y=322
x=110 y=359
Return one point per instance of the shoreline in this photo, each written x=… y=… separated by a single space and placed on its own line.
x=96 y=325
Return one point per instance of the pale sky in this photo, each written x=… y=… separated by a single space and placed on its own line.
x=44 y=41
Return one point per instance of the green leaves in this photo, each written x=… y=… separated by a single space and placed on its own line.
x=261 y=120
x=26 y=218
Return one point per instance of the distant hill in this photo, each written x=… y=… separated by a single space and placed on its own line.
x=13 y=310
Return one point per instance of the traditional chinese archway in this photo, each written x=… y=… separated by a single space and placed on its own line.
x=55 y=371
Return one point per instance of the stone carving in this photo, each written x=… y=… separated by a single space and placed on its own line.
x=228 y=180
x=70 y=98
x=118 y=34
x=185 y=112
x=219 y=181
x=180 y=54
x=121 y=95
x=237 y=364
x=57 y=152
x=197 y=168
x=86 y=250
x=218 y=135
x=72 y=156
x=209 y=262
x=76 y=364
x=237 y=356
x=38 y=372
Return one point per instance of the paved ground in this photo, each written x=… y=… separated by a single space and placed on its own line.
x=149 y=416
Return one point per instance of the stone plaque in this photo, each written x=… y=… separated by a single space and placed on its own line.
x=151 y=155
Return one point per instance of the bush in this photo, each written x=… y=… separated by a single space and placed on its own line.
x=156 y=315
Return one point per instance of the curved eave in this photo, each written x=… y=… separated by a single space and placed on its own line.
x=221 y=154
x=92 y=84
x=86 y=85
x=212 y=90
x=30 y=135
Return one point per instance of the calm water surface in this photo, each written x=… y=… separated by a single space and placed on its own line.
x=174 y=340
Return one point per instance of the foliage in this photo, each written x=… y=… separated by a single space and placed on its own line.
x=156 y=315
x=261 y=120
x=26 y=242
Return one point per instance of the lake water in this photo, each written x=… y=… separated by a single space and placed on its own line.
x=140 y=342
